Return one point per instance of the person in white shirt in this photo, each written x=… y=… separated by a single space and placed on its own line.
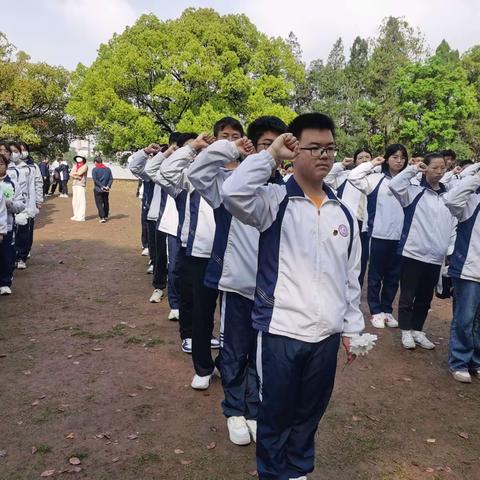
x=424 y=243
x=385 y=221
x=307 y=297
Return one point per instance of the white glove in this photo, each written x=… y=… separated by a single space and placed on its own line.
x=21 y=218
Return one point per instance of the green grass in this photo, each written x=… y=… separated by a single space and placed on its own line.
x=115 y=331
x=134 y=340
x=43 y=448
x=153 y=342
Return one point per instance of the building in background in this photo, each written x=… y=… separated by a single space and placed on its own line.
x=84 y=146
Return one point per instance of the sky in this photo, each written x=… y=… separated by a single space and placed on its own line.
x=65 y=32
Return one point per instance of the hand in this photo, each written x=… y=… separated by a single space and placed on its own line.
x=244 y=146
x=457 y=170
x=421 y=167
x=169 y=150
x=346 y=345
x=39 y=206
x=377 y=161
x=346 y=162
x=202 y=141
x=152 y=149
x=284 y=147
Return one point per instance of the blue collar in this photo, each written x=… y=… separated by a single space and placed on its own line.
x=294 y=190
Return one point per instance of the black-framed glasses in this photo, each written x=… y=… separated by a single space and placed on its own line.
x=331 y=151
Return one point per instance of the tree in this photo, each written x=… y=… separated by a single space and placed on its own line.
x=435 y=98
x=185 y=73
x=32 y=101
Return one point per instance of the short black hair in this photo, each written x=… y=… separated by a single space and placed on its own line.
x=14 y=144
x=449 y=153
x=418 y=154
x=25 y=145
x=464 y=163
x=5 y=144
x=359 y=151
x=432 y=156
x=173 y=138
x=260 y=125
x=183 y=138
x=98 y=159
x=316 y=121
x=391 y=150
x=227 y=122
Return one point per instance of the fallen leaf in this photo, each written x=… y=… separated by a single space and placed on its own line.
x=356 y=419
x=27 y=372
x=177 y=451
x=430 y=470
x=185 y=462
x=70 y=436
x=47 y=473
x=213 y=429
x=148 y=387
x=97 y=349
x=116 y=459
x=42 y=397
x=133 y=394
x=3 y=355
x=464 y=435
x=211 y=445
x=406 y=379
x=374 y=419
x=132 y=437
x=76 y=363
x=35 y=403
x=74 y=461
x=253 y=473
x=69 y=356
x=431 y=440
x=34 y=450
x=3 y=453
x=75 y=470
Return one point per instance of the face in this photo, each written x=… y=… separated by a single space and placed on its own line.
x=435 y=170
x=396 y=161
x=449 y=161
x=4 y=151
x=228 y=133
x=3 y=168
x=310 y=164
x=265 y=140
x=363 y=157
x=14 y=149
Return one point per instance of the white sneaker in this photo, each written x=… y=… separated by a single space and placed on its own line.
x=476 y=373
x=102 y=220
x=238 y=430
x=407 y=340
x=214 y=343
x=378 y=320
x=200 y=383
x=156 y=296
x=5 y=291
x=462 y=376
x=145 y=252
x=187 y=345
x=174 y=314
x=299 y=478
x=422 y=340
x=150 y=269
x=390 y=321
x=21 y=265
x=252 y=428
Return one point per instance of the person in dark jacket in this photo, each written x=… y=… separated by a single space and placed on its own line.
x=103 y=179
x=63 y=171
x=45 y=171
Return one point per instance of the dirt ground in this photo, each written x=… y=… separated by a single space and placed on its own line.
x=90 y=369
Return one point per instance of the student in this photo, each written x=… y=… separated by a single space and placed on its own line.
x=14 y=202
x=307 y=294
x=45 y=171
x=232 y=270
x=102 y=179
x=63 y=175
x=79 y=175
x=197 y=238
x=353 y=198
x=464 y=349
x=385 y=221
x=423 y=245
x=157 y=242
x=55 y=175
x=450 y=159
x=24 y=231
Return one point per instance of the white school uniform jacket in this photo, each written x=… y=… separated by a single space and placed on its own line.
x=308 y=258
x=27 y=185
x=428 y=223
x=385 y=214
x=13 y=197
x=464 y=202
x=452 y=179
x=3 y=216
x=233 y=264
x=198 y=225
x=350 y=195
